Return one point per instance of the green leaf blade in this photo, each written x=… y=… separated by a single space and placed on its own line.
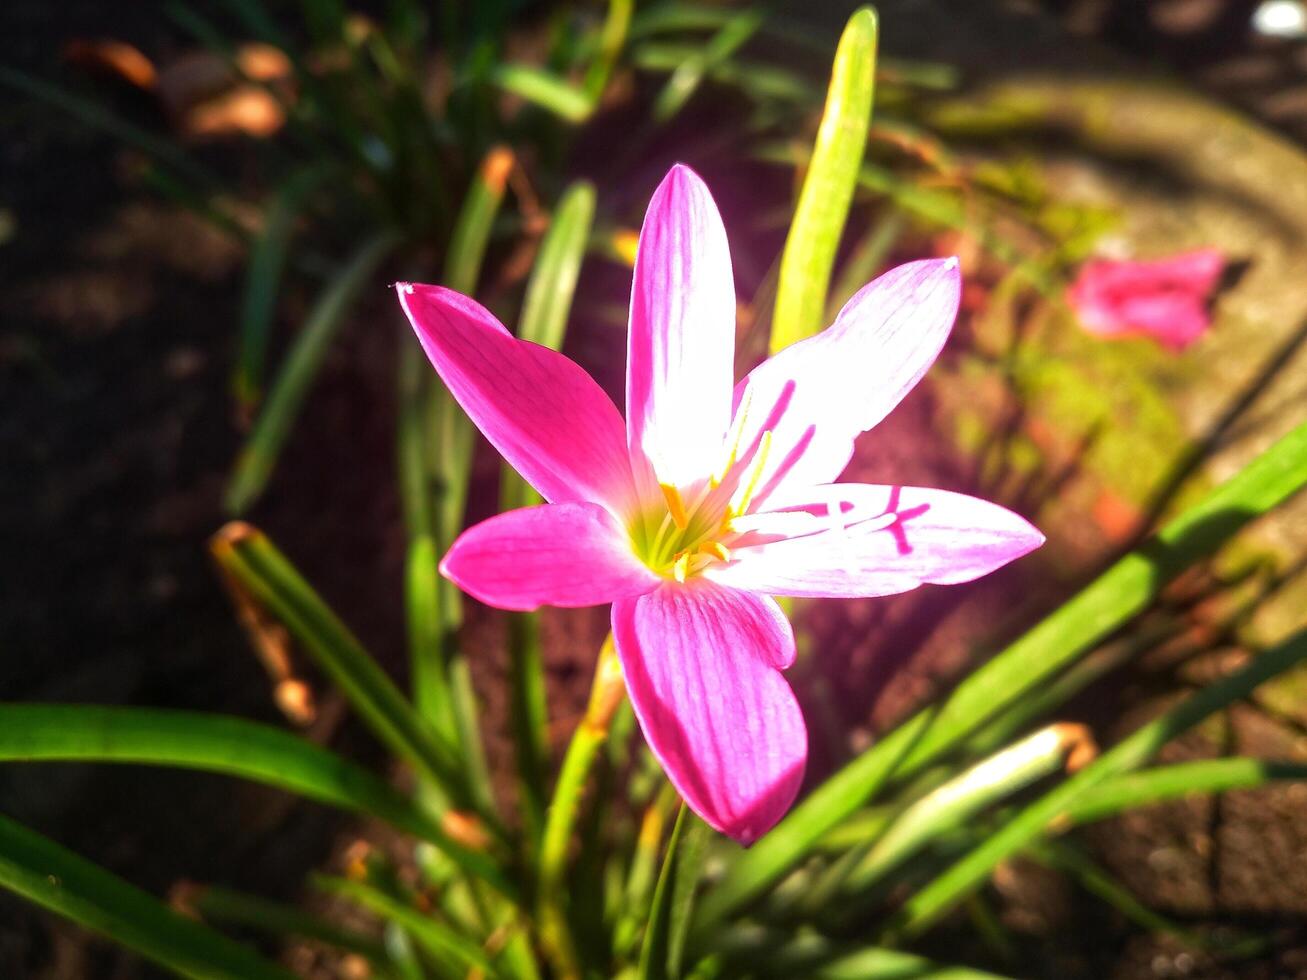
x=673 y=902
x=218 y=744
x=827 y=192
x=47 y=874
x=258 y=457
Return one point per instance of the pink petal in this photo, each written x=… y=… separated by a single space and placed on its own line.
x=551 y=555
x=543 y=413
x=701 y=666
x=681 y=345
x=819 y=394
x=882 y=540
x=1173 y=320
x=1163 y=298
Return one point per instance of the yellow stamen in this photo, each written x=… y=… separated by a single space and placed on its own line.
x=760 y=461
x=675 y=506
x=682 y=566
x=716 y=549
x=738 y=425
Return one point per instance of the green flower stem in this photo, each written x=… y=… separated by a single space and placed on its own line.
x=607 y=692
x=449 y=439
x=643 y=873
x=545 y=311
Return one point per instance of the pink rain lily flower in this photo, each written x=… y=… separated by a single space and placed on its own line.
x=1166 y=299
x=712 y=497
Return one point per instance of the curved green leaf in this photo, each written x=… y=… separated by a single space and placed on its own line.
x=690 y=73
x=1179 y=780
x=262 y=278
x=673 y=902
x=51 y=876
x=448 y=946
x=235 y=908
x=252 y=560
x=552 y=286
x=221 y=744
x=259 y=455
x=545 y=90
x=928 y=904
x=827 y=191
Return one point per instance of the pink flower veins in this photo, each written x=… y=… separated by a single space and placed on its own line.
x=1166 y=299
x=711 y=497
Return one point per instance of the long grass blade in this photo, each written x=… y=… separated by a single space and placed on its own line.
x=259 y=455
x=552 y=286
x=1182 y=779
x=927 y=905
x=442 y=942
x=221 y=744
x=690 y=73
x=57 y=879
x=957 y=801
x=1111 y=601
x=262 y=280
x=828 y=187
x=612 y=37
x=768 y=953
x=229 y=907
x=546 y=90
x=440 y=670
x=247 y=555
x=1069 y=860
x=673 y=901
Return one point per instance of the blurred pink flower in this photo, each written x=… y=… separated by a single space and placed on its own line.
x=1166 y=299
x=710 y=498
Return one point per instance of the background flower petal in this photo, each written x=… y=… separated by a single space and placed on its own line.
x=700 y=663
x=681 y=344
x=544 y=414
x=816 y=396
x=858 y=539
x=551 y=555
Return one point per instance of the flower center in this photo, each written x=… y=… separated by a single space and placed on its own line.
x=696 y=527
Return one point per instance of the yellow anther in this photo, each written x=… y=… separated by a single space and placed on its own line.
x=759 y=462
x=682 y=566
x=716 y=549
x=675 y=506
